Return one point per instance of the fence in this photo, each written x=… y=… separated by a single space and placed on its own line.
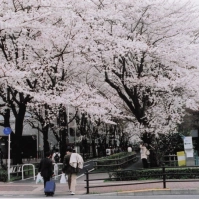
x=33 y=169
x=30 y=170
x=162 y=178
x=170 y=160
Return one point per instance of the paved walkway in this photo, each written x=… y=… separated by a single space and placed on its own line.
x=138 y=189
x=152 y=188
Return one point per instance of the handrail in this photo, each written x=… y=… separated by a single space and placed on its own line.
x=56 y=169
x=113 y=159
x=163 y=179
x=116 y=159
x=116 y=162
x=33 y=170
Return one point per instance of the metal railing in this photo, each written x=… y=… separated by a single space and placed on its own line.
x=57 y=169
x=171 y=160
x=115 y=163
x=33 y=169
x=30 y=170
x=162 y=178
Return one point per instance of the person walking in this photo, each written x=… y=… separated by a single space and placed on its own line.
x=144 y=153
x=56 y=159
x=46 y=168
x=71 y=164
x=56 y=156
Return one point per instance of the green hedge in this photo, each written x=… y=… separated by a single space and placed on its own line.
x=115 y=156
x=119 y=160
x=149 y=174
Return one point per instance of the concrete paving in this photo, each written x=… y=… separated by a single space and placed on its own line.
x=150 y=188
x=29 y=187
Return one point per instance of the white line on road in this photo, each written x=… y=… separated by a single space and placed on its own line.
x=87 y=165
x=36 y=198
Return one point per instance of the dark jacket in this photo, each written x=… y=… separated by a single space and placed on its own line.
x=46 y=168
x=67 y=168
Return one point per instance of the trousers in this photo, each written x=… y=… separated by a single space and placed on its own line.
x=72 y=181
x=144 y=163
x=45 y=180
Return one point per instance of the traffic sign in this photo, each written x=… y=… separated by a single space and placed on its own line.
x=7 y=130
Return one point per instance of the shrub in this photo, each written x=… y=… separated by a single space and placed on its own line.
x=146 y=174
x=119 y=160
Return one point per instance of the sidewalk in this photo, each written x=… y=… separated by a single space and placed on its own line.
x=173 y=188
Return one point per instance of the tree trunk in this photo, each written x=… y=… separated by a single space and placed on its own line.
x=93 y=148
x=62 y=121
x=63 y=143
x=7 y=118
x=16 y=143
x=45 y=138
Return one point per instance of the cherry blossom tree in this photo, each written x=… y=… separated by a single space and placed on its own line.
x=128 y=60
x=148 y=53
x=40 y=62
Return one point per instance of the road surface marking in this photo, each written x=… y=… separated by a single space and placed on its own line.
x=35 y=197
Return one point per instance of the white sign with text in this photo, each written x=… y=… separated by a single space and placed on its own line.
x=188 y=142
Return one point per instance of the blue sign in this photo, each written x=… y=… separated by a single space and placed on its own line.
x=7 y=130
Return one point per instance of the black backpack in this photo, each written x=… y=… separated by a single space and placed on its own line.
x=56 y=158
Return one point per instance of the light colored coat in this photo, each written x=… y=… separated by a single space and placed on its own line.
x=143 y=151
x=76 y=159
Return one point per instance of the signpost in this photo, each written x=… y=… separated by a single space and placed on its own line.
x=7 y=131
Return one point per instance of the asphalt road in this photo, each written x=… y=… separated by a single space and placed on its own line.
x=110 y=197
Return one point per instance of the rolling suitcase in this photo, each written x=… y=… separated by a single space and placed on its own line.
x=50 y=188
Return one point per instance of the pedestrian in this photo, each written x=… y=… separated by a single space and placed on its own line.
x=56 y=159
x=56 y=156
x=46 y=168
x=71 y=165
x=144 y=153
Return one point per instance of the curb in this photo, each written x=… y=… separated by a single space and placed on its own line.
x=151 y=192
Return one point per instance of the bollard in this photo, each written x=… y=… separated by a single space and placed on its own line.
x=87 y=182
x=164 y=176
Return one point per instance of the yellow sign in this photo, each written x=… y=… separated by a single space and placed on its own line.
x=181 y=158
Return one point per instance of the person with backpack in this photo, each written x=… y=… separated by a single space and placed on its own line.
x=56 y=157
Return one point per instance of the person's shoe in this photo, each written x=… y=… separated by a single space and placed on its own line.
x=72 y=193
